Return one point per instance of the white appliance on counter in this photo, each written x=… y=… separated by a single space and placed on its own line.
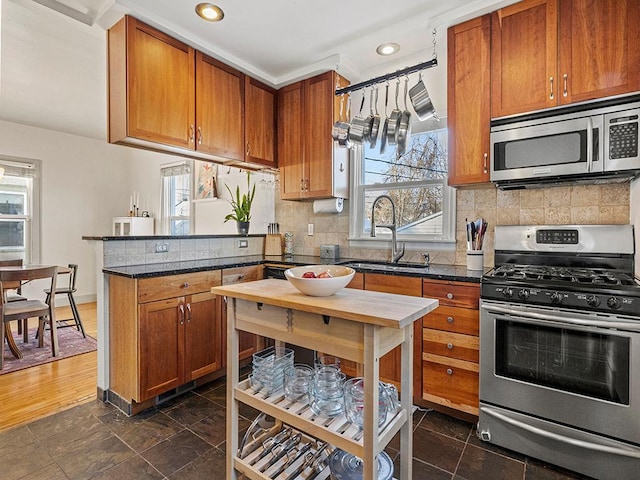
x=127 y=226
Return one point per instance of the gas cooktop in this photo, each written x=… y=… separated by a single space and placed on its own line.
x=583 y=276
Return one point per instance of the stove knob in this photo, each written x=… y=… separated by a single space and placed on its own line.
x=507 y=292
x=556 y=297
x=613 y=303
x=593 y=301
x=523 y=294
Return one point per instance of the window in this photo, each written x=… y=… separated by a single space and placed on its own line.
x=417 y=183
x=176 y=199
x=19 y=209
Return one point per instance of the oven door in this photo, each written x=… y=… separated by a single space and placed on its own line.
x=574 y=368
x=530 y=150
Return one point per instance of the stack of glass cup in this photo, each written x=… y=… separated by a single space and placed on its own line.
x=268 y=368
x=354 y=394
x=326 y=396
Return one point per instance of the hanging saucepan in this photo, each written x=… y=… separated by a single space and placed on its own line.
x=404 y=129
x=375 y=126
x=420 y=100
x=394 y=120
x=356 y=132
x=368 y=122
x=340 y=130
x=385 y=127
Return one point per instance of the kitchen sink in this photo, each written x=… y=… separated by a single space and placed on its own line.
x=388 y=267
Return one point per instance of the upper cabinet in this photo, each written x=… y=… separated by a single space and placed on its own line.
x=166 y=96
x=312 y=165
x=546 y=53
x=468 y=101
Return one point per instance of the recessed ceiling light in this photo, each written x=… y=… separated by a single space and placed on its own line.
x=387 y=48
x=209 y=12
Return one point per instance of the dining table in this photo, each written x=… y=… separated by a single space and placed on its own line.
x=13 y=347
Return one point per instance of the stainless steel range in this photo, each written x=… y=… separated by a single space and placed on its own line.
x=560 y=348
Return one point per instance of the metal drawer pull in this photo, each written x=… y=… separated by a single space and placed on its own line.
x=450 y=319
x=450 y=296
x=186 y=284
x=450 y=346
x=565 y=92
x=551 y=88
x=449 y=371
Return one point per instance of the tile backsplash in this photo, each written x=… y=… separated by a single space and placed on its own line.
x=581 y=204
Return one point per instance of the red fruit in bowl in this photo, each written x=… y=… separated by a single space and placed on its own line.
x=324 y=275
x=308 y=275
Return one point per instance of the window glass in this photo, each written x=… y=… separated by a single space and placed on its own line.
x=176 y=199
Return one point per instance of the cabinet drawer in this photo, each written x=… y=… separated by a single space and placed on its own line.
x=451 y=382
x=453 y=294
x=158 y=288
x=241 y=274
x=452 y=319
x=453 y=345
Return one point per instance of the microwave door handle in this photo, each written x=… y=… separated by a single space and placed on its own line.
x=589 y=144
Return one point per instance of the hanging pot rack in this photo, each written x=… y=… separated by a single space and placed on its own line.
x=389 y=76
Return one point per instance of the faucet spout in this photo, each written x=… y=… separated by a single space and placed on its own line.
x=396 y=253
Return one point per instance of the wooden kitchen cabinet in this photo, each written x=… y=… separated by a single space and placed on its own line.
x=450 y=346
x=546 y=53
x=249 y=343
x=163 y=333
x=260 y=122
x=166 y=96
x=469 y=105
x=311 y=164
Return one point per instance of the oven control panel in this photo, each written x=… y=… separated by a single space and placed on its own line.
x=598 y=302
x=557 y=236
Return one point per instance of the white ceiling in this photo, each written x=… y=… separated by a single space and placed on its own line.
x=279 y=41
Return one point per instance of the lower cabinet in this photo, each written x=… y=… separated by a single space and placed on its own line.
x=450 y=346
x=163 y=332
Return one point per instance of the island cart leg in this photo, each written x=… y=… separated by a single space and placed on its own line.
x=370 y=419
x=406 y=403
x=233 y=373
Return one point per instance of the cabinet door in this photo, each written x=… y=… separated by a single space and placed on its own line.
x=468 y=94
x=599 y=48
x=390 y=364
x=203 y=335
x=160 y=86
x=219 y=108
x=524 y=57
x=260 y=123
x=318 y=147
x=161 y=346
x=290 y=140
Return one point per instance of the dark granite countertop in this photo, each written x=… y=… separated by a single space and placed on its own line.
x=438 y=272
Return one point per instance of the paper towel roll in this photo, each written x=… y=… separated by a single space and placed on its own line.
x=329 y=205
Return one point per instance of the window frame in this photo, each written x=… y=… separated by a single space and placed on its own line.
x=166 y=217
x=358 y=238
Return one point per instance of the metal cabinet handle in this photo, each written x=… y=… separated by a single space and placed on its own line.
x=189 y=312
x=450 y=319
x=191 y=133
x=199 y=135
x=248 y=148
x=181 y=312
x=185 y=285
x=486 y=155
x=565 y=91
x=449 y=371
x=450 y=346
x=450 y=296
x=551 y=88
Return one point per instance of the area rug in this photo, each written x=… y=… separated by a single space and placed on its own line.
x=70 y=342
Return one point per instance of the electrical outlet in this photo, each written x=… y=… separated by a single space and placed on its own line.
x=162 y=247
x=310 y=229
x=243 y=244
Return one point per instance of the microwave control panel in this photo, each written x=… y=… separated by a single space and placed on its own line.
x=623 y=137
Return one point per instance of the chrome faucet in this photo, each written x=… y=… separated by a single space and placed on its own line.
x=396 y=254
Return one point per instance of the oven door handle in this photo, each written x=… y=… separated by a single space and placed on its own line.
x=584 y=322
x=561 y=438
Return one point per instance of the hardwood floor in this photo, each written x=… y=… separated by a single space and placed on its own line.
x=46 y=389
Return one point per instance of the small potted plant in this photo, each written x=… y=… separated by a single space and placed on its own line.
x=241 y=205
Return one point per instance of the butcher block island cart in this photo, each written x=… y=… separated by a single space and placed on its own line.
x=353 y=324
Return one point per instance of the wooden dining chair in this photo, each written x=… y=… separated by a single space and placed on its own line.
x=13 y=294
x=23 y=309
x=69 y=290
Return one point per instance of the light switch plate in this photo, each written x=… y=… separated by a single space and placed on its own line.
x=310 y=229
x=243 y=243
x=162 y=247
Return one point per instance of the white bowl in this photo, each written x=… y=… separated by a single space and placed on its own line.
x=320 y=287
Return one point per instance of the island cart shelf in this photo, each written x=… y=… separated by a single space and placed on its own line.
x=356 y=325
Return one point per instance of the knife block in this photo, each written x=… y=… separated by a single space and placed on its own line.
x=273 y=244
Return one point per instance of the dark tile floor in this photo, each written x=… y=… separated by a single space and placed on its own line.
x=185 y=439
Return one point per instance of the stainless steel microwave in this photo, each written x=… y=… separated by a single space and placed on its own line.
x=570 y=144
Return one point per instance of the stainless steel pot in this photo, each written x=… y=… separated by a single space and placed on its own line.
x=340 y=130
x=358 y=123
x=394 y=120
x=375 y=126
x=368 y=122
x=420 y=100
x=404 y=128
x=385 y=127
